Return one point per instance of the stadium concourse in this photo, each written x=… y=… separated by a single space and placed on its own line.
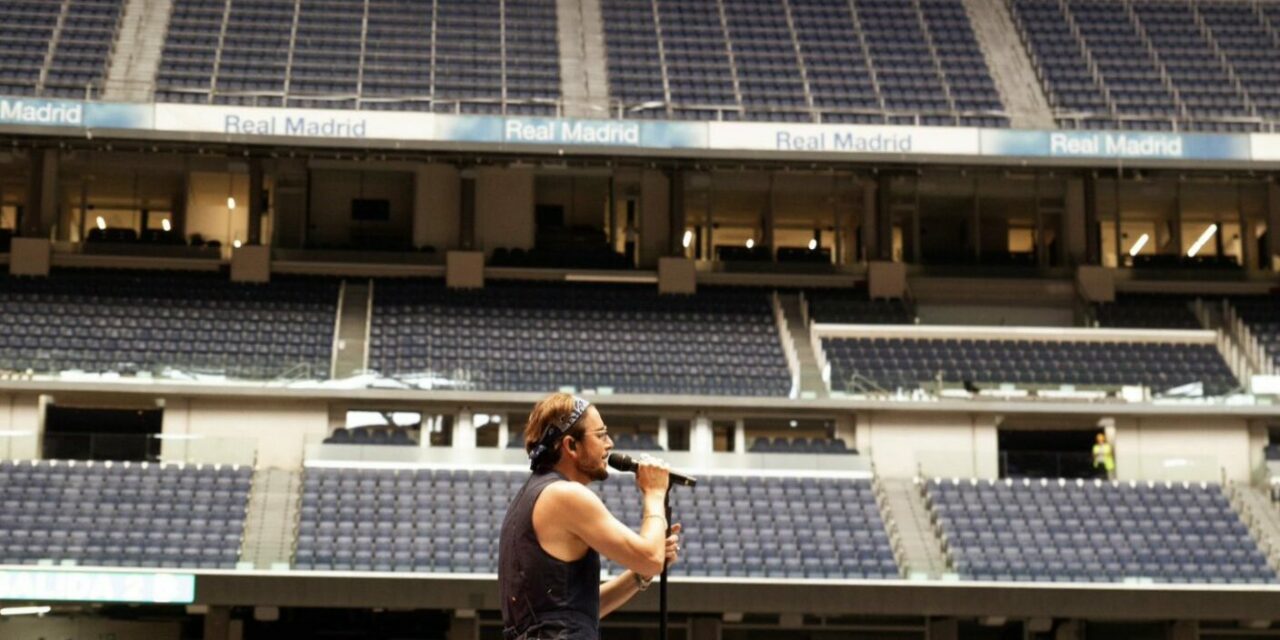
x=963 y=312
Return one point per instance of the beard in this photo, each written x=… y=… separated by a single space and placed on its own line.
x=597 y=470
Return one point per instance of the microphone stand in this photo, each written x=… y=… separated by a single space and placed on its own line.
x=662 y=585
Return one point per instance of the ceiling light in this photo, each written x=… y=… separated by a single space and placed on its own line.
x=25 y=611
x=102 y=223
x=813 y=244
x=231 y=203
x=688 y=238
x=1200 y=242
x=1137 y=246
x=167 y=226
x=751 y=243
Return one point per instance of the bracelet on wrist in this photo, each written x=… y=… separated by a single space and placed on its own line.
x=641 y=583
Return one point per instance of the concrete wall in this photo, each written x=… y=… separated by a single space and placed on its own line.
x=278 y=429
x=584 y=198
x=207 y=213
x=903 y=445
x=1194 y=449
x=504 y=209
x=20 y=426
x=437 y=205
x=332 y=191
x=655 y=217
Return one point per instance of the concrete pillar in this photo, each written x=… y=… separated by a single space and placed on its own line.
x=655 y=217
x=769 y=214
x=437 y=205
x=1069 y=630
x=740 y=436
x=217 y=623
x=1075 y=229
x=503 y=436
x=675 y=230
x=464 y=431
x=662 y=433
x=705 y=628
x=846 y=430
x=869 y=222
x=1092 y=233
x=884 y=219
x=1184 y=630
x=40 y=213
x=289 y=226
x=463 y=626
x=257 y=202
x=1272 y=259
x=504 y=208
x=701 y=438
x=943 y=629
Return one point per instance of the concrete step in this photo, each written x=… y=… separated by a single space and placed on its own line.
x=584 y=83
x=1262 y=515
x=131 y=73
x=1011 y=67
x=811 y=383
x=272 y=519
x=354 y=309
x=919 y=546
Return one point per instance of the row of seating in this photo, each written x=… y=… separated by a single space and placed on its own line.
x=1096 y=531
x=468 y=56
x=1159 y=65
x=122 y=514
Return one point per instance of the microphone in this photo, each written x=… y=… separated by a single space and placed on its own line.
x=624 y=462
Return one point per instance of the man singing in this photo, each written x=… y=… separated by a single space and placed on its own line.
x=556 y=528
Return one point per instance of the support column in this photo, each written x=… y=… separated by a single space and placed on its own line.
x=884 y=219
x=769 y=214
x=1184 y=630
x=944 y=629
x=463 y=626
x=257 y=202
x=40 y=213
x=870 y=219
x=677 y=224
x=662 y=433
x=464 y=430
x=1092 y=234
x=740 y=436
x=701 y=438
x=1272 y=260
x=705 y=628
x=217 y=623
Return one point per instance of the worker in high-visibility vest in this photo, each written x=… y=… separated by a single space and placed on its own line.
x=1104 y=457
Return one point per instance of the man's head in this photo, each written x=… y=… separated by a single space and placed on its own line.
x=567 y=434
x=1102 y=438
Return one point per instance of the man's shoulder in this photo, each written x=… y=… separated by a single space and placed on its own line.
x=569 y=494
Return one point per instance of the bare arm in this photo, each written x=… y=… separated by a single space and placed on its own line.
x=592 y=523
x=618 y=591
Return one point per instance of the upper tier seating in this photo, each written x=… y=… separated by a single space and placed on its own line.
x=122 y=514
x=1148 y=312
x=800 y=446
x=82 y=33
x=1262 y=315
x=1093 y=531
x=538 y=337
x=440 y=520
x=1155 y=65
x=128 y=322
x=394 y=436
x=866 y=61
x=847 y=307
x=468 y=56
x=907 y=363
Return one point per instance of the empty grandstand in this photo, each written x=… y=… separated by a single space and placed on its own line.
x=900 y=282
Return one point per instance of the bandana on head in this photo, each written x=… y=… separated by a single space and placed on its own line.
x=555 y=430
